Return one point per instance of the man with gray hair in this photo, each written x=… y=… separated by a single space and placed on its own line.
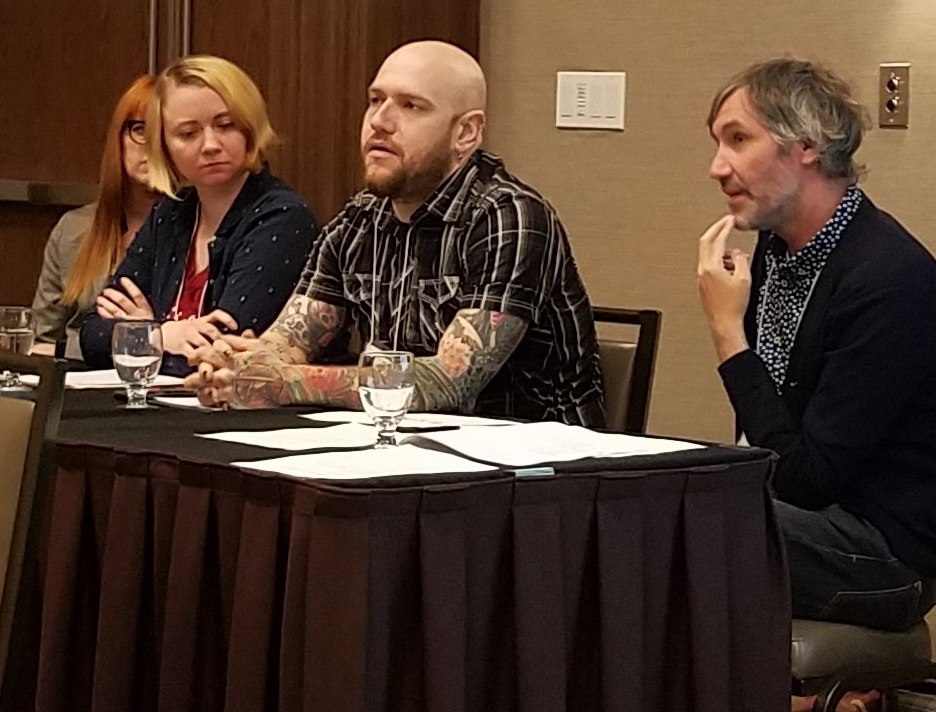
x=826 y=340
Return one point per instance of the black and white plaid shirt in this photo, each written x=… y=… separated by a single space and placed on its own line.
x=483 y=240
x=790 y=280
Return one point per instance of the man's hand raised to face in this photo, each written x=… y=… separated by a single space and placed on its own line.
x=725 y=288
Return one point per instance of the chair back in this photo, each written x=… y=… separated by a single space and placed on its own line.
x=28 y=427
x=617 y=369
x=16 y=417
x=627 y=366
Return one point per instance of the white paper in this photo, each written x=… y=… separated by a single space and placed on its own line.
x=345 y=436
x=184 y=402
x=534 y=443
x=411 y=420
x=100 y=379
x=357 y=464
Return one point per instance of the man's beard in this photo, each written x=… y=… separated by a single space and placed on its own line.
x=767 y=217
x=402 y=185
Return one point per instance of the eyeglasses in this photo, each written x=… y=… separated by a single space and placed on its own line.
x=136 y=129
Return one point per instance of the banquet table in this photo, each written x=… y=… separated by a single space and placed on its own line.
x=173 y=580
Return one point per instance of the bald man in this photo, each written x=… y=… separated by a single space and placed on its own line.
x=444 y=254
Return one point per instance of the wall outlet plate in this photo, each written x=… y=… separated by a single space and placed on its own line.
x=894 y=95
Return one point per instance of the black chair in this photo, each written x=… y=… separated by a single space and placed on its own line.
x=29 y=422
x=628 y=367
x=829 y=659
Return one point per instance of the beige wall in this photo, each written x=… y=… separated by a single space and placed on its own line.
x=635 y=202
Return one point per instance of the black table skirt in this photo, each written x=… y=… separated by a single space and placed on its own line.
x=175 y=583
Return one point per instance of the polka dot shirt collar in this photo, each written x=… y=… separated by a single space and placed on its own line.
x=810 y=260
x=783 y=296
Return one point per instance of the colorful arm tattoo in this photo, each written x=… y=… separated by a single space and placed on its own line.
x=474 y=347
x=279 y=373
x=304 y=328
x=267 y=381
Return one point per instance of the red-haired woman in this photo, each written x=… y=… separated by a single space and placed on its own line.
x=88 y=243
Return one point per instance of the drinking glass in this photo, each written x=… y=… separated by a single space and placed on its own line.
x=137 y=349
x=385 y=383
x=16 y=336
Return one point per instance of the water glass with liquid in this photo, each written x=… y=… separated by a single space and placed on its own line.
x=137 y=350
x=16 y=336
x=386 y=380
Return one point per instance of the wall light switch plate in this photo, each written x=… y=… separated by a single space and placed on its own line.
x=590 y=100
x=894 y=95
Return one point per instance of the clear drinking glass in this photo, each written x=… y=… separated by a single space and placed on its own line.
x=16 y=336
x=385 y=383
x=137 y=349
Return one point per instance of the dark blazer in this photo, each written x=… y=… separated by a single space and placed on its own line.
x=254 y=263
x=855 y=423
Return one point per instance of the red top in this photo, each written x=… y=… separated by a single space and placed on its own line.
x=192 y=291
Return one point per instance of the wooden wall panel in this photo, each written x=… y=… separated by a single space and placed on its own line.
x=391 y=22
x=23 y=229
x=64 y=64
x=313 y=62
x=334 y=64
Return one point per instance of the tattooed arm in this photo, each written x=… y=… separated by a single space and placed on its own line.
x=304 y=329
x=472 y=350
x=474 y=347
x=273 y=369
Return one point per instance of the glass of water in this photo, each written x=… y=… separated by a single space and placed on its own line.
x=16 y=336
x=137 y=349
x=385 y=383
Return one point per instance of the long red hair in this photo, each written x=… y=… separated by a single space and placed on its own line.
x=102 y=248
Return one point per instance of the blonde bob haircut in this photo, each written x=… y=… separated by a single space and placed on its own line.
x=240 y=95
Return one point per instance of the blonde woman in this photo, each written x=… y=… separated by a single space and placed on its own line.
x=88 y=243
x=224 y=250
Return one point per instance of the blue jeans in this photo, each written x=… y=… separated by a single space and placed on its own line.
x=842 y=570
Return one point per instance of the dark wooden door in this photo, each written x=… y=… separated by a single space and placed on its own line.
x=64 y=63
x=313 y=62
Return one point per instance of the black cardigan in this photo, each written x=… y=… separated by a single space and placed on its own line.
x=254 y=262
x=856 y=421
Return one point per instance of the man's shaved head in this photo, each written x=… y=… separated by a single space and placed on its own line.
x=425 y=118
x=445 y=70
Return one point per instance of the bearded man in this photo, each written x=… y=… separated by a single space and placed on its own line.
x=444 y=254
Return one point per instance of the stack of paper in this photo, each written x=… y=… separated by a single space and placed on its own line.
x=184 y=402
x=349 y=435
x=358 y=464
x=412 y=421
x=535 y=443
x=463 y=450
x=99 y=379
